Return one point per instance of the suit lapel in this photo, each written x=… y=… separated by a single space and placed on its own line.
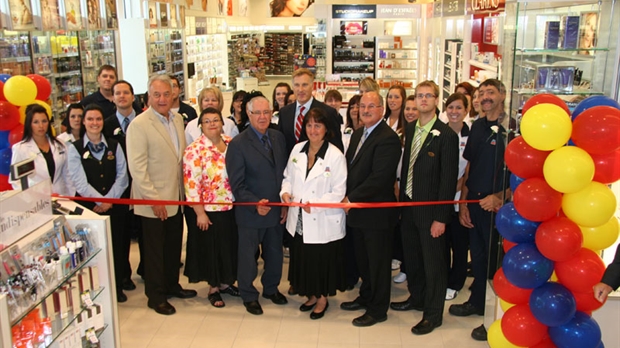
x=317 y=169
x=257 y=144
x=372 y=137
x=159 y=127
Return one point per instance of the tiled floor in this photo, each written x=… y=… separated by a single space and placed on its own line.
x=198 y=324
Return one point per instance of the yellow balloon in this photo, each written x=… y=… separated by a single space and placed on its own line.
x=601 y=237
x=593 y=206
x=505 y=305
x=20 y=90
x=568 y=169
x=496 y=338
x=22 y=110
x=546 y=127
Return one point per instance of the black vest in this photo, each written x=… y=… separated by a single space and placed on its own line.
x=101 y=174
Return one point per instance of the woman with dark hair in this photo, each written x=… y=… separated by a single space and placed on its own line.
x=290 y=97
x=98 y=169
x=395 y=110
x=411 y=110
x=476 y=111
x=235 y=107
x=50 y=154
x=73 y=123
x=467 y=90
x=279 y=95
x=316 y=173
x=289 y=8
x=353 y=120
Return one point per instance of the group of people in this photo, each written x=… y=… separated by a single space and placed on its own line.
x=248 y=182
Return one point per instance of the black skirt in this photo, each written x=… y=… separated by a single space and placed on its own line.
x=316 y=269
x=211 y=255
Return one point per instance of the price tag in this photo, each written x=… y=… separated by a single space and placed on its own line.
x=91 y=336
x=87 y=302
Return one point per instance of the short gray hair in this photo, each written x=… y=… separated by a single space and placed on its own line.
x=379 y=97
x=250 y=104
x=163 y=78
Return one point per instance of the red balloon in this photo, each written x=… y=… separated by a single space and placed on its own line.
x=509 y=292
x=535 y=200
x=9 y=116
x=507 y=245
x=16 y=134
x=597 y=130
x=586 y=301
x=523 y=160
x=581 y=272
x=544 y=98
x=558 y=238
x=2 y=97
x=606 y=167
x=521 y=328
x=4 y=183
x=545 y=343
x=44 y=88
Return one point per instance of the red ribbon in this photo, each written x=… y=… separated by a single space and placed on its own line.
x=129 y=201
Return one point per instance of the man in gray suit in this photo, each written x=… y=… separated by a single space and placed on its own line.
x=255 y=162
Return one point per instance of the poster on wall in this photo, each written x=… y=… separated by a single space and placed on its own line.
x=173 y=16
x=73 y=9
x=50 y=17
x=220 y=7
x=243 y=8
x=588 y=32
x=291 y=8
x=21 y=14
x=94 y=14
x=110 y=14
x=491 y=30
x=229 y=8
x=182 y=16
x=163 y=15
x=152 y=12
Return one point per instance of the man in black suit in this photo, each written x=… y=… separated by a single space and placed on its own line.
x=188 y=112
x=429 y=173
x=292 y=115
x=372 y=158
x=104 y=97
x=255 y=161
x=611 y=279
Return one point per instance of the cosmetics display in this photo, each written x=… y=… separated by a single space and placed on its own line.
x=280 y=50
x=353 y=56
x=397 y=62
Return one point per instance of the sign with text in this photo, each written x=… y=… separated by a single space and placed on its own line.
x=485 y=6
x=354 y=11
x=398 y=11
x=453 y=8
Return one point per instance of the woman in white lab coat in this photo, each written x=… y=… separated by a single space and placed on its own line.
x=316 y=172
x=50 y=154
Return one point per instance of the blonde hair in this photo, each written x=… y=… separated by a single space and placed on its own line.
x=218 y=95
x=369 y=84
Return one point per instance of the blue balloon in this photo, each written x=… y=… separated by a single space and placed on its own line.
x=514 y=227
x=525 y=267
x=4 y=139
x=5 y=161
x=580 y=332
x=4 y=77
x=590 y=102
x=600 y=345
x=553 y=304
x=515 y=181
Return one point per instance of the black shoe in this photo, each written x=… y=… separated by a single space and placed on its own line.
x=253 y=307
x=352 y=306
x=404 y=306
x=424 y=327
x=464 y=310
x=291 y=291
x=231 y=290
x=163 y=308
x=366 y=320
x=120 y=296
x=319 y=315
x=128 y=284
x=305 y=308
x=479 y=333
x=276 y=298
x=183 y=293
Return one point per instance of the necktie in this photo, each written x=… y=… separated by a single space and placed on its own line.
x=415 y=150
x=125 y=124
x=96 y=148
x=359 y=146
x=267 y=146
x=299 y=123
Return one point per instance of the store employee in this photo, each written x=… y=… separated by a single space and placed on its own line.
x=104 y=97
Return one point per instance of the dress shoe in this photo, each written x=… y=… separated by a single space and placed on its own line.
x=405 y=306
x=163 y=308
x=464 y=310
x=231 y=290
x=120 y=296
x=183 y=293
x=276 y=298
x=366 y=320
x=479 y=333
x=424 y=327
x=291 y=291
x=128 y=284
x=352 y=306
x=400 y=277
x=253 y=307
x=319 y=315
x=304 y=307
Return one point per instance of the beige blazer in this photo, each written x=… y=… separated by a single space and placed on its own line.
x=154 y=163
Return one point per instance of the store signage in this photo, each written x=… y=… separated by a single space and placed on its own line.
x=25 y=211
x=485 y=6
x=398 y=11
x=437 y=9
x=354 y=11
x=453 y=8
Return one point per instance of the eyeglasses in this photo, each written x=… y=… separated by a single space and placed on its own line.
x=264 y=113
x=427 y=96
x=368 y=107
x=214 y=121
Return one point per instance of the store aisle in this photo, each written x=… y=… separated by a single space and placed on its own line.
x=197 y=324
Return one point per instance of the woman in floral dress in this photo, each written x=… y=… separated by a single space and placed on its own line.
x=211 y=252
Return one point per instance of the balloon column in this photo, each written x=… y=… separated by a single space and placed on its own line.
x=561 y=217
x=16 y=92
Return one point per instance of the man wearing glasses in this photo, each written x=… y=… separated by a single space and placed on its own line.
x=429 y=173
x=255 y=163
x=372 y=159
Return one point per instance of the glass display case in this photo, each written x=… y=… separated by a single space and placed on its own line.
x=353 y=57
x=452 y=67
x=397 y=62
x=96 y=49
x=15 y=53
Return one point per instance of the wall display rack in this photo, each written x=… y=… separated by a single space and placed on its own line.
x=397 y=62
x=452 y=67
x=353 y=57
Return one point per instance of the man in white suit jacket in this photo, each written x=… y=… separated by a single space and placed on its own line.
x=155 y=145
